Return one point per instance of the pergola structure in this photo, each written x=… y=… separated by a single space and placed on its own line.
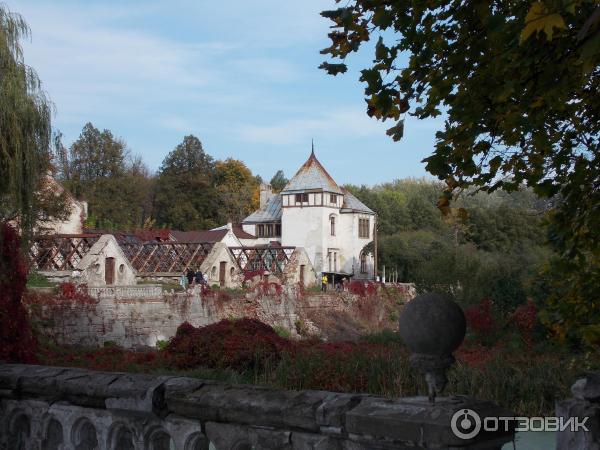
x=60 y=251
x=166 y=257
x=273 y=259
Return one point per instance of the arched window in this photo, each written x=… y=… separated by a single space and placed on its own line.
x=363 y=263
x=332 y=224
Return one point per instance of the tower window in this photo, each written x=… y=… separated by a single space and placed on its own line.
x=333 y=198
x=302 y=198
x=332 y=225
x=363 y=228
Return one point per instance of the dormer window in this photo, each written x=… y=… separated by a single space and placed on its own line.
x=301 y=198
x=333 y=199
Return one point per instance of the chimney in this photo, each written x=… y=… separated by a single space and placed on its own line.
x=265 y=194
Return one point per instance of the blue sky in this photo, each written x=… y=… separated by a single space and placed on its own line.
x=241 y=75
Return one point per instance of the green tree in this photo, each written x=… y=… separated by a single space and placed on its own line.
x=278 y=181
x=235 y=186
x=99 y=169
x=186 y=197
x=519 y=83
x=25 y=126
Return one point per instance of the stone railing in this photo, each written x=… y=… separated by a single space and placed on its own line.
x=61 y=408
x=126 y=292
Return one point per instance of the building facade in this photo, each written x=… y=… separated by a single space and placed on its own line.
x=315 y=213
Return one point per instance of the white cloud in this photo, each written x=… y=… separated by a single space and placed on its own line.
x=291 y=131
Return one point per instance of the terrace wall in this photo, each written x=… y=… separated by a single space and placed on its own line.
x=133 y=321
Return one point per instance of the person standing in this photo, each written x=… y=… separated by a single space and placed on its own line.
x=190 y=277
x=182 y=280
x=324 y=282
x=199 y=277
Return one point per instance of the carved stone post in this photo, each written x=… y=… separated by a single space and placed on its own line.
x=432 y=327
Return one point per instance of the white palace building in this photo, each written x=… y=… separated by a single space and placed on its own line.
x=314 y=212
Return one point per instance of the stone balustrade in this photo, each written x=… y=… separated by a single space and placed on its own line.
x=53 y=408
x=126 y=292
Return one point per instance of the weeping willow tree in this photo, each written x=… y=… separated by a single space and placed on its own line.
x=25 y=129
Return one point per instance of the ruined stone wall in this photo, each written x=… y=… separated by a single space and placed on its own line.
x=134 y=322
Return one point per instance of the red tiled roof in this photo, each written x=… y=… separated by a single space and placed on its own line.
x=209 y=236
x=241 y=234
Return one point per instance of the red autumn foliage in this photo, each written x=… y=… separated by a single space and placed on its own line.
x=250 y=274
x=237 y=344
x=110 y=358
x=357 y=288
x=524 y=318
x=17 y=342
x=480 y=318
x=475 y=354
x=362 y=289
x=265 y=287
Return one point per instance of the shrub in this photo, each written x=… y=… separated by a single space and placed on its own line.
x=241 y=345
x=36 y=279
x=17 y=343
x=524 y=318
x=480 y=320
x=357 y=288
x=282 y=332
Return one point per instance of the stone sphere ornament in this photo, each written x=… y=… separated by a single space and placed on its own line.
x=432 y=326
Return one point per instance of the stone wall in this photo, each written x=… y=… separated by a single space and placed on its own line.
x=133 y=321
x=43 y=408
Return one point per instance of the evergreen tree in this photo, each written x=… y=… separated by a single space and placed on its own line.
x=185 y=196
x=278 y=181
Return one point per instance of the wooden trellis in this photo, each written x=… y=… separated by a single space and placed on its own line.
x=153 y=257
x=273 y=259
x=60 y=251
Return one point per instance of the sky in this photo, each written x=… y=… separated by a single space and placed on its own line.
x=240 y=75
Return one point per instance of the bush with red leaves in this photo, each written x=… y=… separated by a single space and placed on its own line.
x=357 y=288
x=480 y=318
x=362 y=289
x=236 y=344
x=524 y=318
x=17 y=343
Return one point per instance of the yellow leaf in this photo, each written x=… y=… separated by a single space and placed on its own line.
x=539 y=19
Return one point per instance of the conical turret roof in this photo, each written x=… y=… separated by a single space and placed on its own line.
x=312 y=176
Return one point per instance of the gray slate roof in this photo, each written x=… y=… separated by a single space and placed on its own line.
x=351 y=203
x=312 y=175
x=271 y=212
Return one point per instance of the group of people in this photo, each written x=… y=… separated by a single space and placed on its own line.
x=340 y=285
x=191 y=278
